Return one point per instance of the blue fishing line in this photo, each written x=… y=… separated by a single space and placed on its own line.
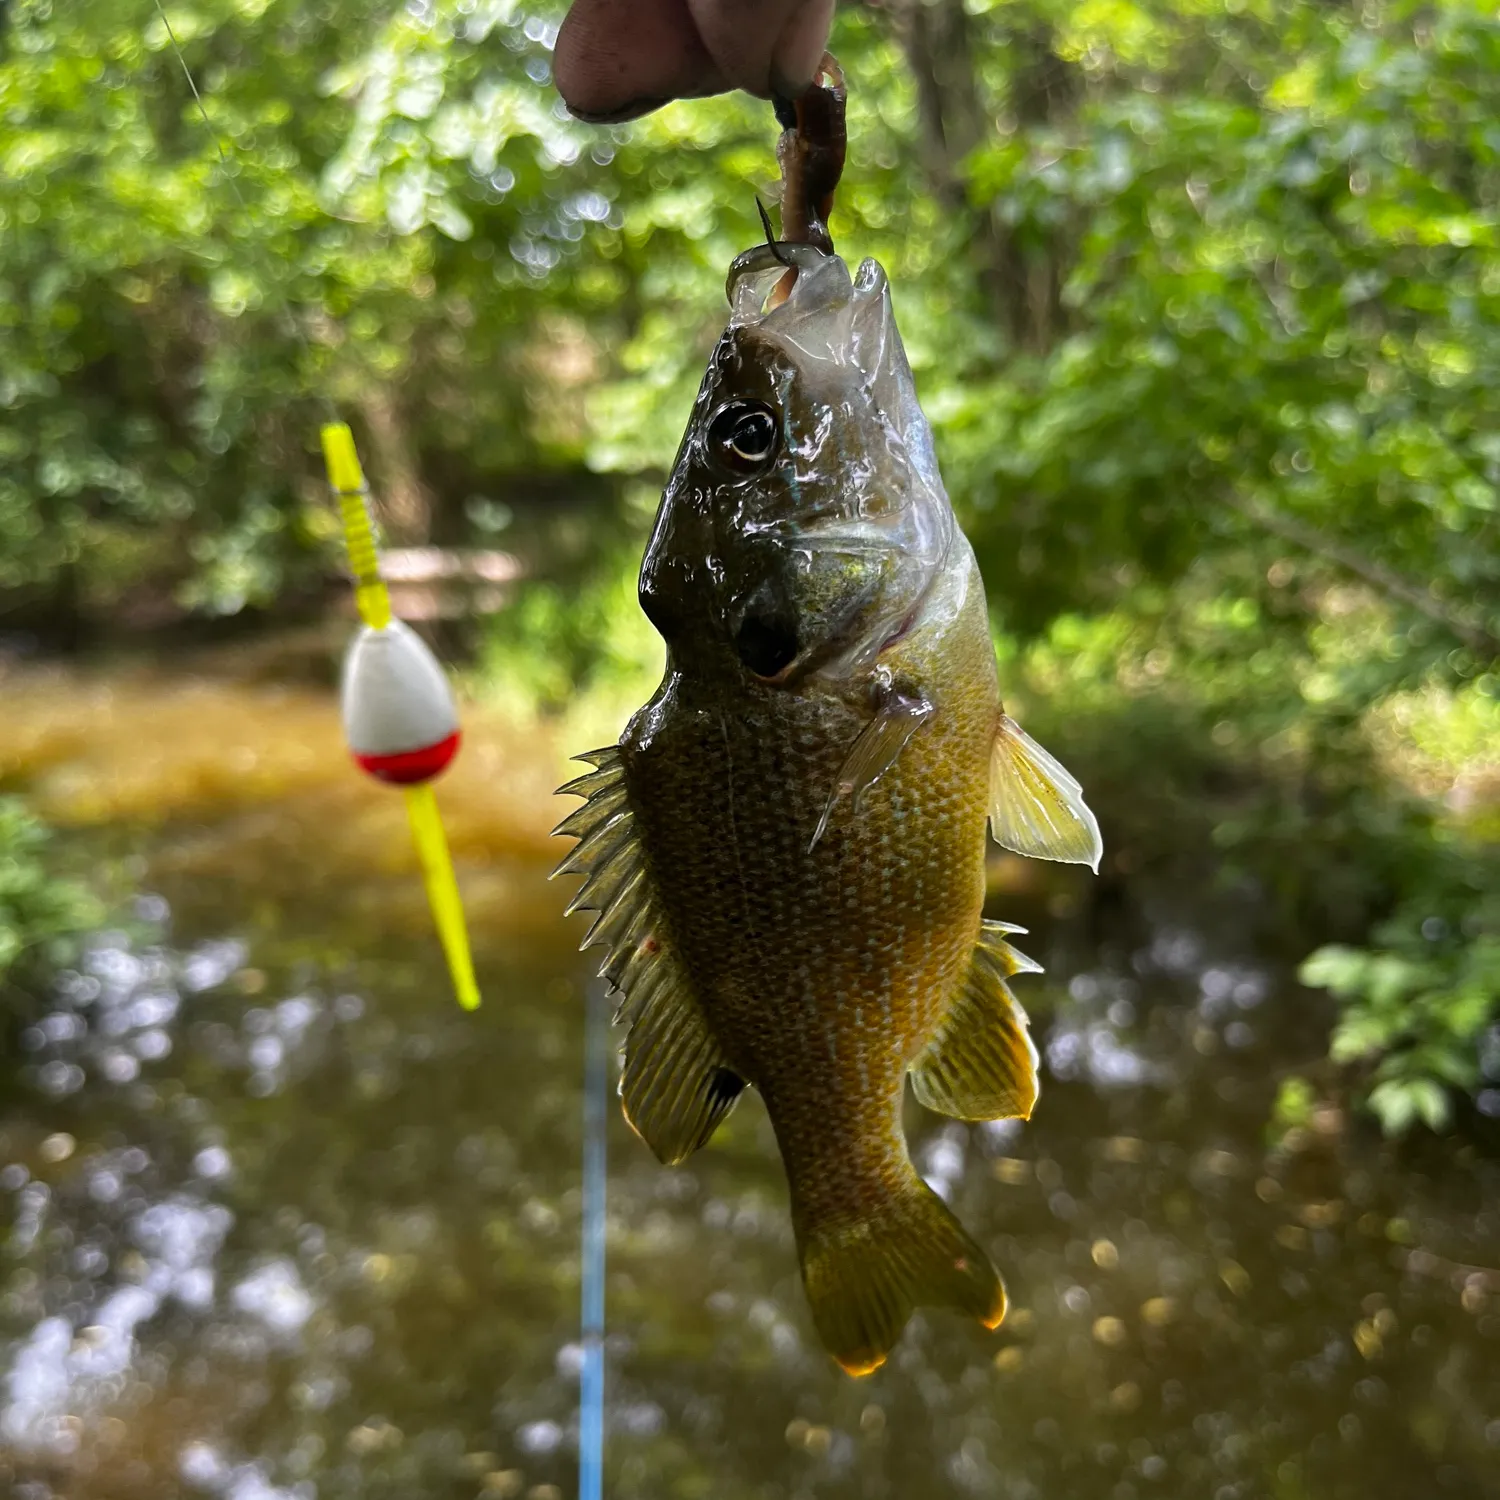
x=595 y=1115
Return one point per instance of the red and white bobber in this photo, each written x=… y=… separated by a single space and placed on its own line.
x=399 y=716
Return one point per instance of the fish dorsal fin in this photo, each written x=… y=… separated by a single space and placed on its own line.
x=677 y=1084
x=1036 y=806
x=981 y=1065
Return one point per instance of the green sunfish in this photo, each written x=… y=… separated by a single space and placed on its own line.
x=786 y=848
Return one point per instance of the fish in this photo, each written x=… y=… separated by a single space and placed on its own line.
x=786 y=848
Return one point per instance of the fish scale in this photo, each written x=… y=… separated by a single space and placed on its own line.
x=784 y=945
x=787 y=845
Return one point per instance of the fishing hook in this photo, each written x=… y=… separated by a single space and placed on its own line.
x=772 y=243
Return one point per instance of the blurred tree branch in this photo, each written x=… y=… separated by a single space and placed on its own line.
x=1021 y=282
x=1475 y=636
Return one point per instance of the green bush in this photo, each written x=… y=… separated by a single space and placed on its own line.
x=37 y=907
x=1416 y=1004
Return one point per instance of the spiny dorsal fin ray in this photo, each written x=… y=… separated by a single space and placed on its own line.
x=677 y=1085
x=590 y=782
x=599 y=846
x=1036 y=804
x=637 y=938
x=608 y=756
x=615 y=913
x=981 y=1065
x=604 y=885
x=601 y=806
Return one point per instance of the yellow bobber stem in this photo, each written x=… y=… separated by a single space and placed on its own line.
x=348 y=481
x=442 y=890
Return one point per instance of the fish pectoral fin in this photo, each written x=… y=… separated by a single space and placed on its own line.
x=875 y=749
x=1036 y=806
x=982 y=1064
x=865 y=1277
x=676 y=1086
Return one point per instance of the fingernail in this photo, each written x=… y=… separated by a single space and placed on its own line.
x=632 y=111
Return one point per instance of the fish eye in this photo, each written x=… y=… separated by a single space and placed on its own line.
x=743 y=437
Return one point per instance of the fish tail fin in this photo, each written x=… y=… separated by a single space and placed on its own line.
x=865 y=1278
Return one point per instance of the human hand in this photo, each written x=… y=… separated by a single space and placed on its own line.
x=616 y=59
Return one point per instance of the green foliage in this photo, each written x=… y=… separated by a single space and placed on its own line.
x=36 y=906
x=1233 y=475
x=558 y=642
x=153 y=386
x=1275 y=305
x=1416 y=1006
x=1293 y=1109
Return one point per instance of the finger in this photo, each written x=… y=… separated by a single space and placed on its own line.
x=800 y=48
x=742 y=38
x=616 y=59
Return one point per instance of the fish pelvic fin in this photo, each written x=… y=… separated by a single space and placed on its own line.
x=864 y=1278
x=1036 y=804
x=982 y=1064
x=677 y=1084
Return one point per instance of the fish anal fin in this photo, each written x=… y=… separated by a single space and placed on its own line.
x=876 y=748
x=982 y=1064
x=864 y=1279
x=677 y=1084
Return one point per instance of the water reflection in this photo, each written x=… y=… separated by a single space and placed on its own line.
x=281 y=1222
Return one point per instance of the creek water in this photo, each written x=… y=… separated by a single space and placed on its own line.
x=280 y=1221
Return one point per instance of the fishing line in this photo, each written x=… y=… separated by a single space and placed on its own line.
x=275 y=282
x=595 y=1117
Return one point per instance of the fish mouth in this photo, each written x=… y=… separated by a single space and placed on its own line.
x=743 y=285
x=816 y=316
x=837 y=544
